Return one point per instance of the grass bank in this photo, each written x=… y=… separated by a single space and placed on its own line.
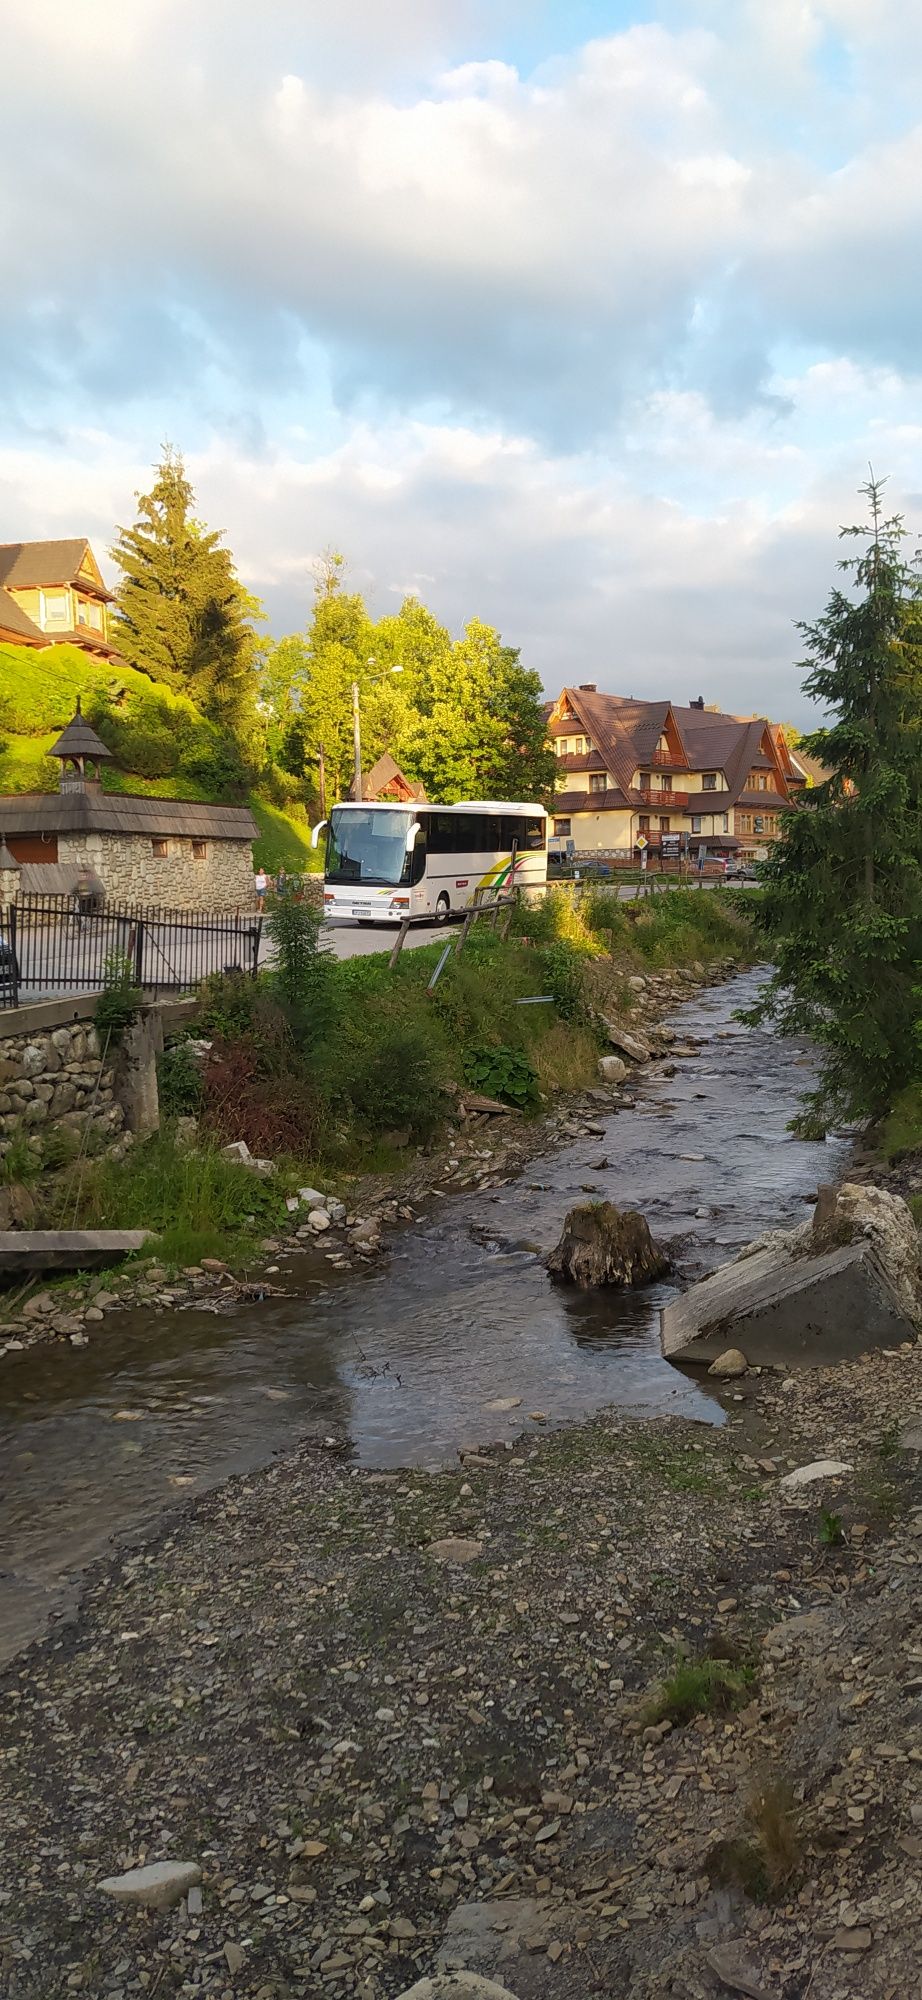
x=339 y=1069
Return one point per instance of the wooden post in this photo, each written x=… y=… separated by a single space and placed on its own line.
x=399 y=943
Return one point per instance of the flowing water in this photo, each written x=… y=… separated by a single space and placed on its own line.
x=406 y=1357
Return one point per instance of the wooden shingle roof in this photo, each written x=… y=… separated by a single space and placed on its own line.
x=41 y=565
x=79 y=740
x=123 y=812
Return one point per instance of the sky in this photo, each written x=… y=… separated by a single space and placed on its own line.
x=584 y=317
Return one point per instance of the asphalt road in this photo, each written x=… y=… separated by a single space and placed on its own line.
x=351 y=940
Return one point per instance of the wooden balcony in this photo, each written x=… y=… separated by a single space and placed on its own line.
x=664 y=800
x=663 y=760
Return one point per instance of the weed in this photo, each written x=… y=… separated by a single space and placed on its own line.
x=21 y=1161
x=195 y=1202
x=179 y=1081
x=901 y=1131
x=118 y=1001
x=503 y=1072
x=565 y=1057
x=776 y=1820
x=830 y=1532
x=699 y=1687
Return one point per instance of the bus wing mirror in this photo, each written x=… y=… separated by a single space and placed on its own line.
x=412 y=832
x=315 y=836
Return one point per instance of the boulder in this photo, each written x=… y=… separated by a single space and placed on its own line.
x=612 y=1068
x=853 y=1213
x=729 y=1365
x=157 y=1887
x=605 y=1245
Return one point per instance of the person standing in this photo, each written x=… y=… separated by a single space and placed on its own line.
x=261 y=884
x=281 y=883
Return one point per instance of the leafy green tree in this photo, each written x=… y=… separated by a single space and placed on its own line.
x=339 y=647
x=842 y=908
x=484 y=732
x=182 y=615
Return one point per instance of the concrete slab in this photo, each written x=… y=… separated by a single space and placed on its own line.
x=67 y=1249
x=783 y=1312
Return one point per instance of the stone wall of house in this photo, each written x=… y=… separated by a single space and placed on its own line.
x=131 y=872
x=56 y=1077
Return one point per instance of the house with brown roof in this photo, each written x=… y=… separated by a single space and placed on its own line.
x=176 y=854
x=53 y=592
x=640 y=773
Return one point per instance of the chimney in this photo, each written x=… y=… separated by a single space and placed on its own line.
x=698 y=704
x=588 y=687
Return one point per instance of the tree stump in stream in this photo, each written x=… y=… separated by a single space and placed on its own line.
x=603 y=1245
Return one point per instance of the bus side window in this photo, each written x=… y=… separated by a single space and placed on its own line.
x=533 y=835
x=510 y=831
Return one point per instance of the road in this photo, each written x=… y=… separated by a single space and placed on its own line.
x=351 y=940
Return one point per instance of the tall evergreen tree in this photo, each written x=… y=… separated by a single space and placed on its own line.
x=843 y=901
x=182 y=616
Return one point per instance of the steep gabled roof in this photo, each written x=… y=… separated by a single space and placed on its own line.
x=79 y=740
x=385 y=772
x=627 y=733
x=15 y=620
x=41 y=565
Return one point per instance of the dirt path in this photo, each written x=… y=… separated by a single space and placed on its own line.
x=384 y=1753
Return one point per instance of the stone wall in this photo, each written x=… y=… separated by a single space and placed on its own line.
x=56 y=1077
x=131 y=872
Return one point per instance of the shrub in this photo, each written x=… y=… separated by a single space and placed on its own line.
x=393 y=1078
x=303 y=976
x=118 y=1001
x=179 y=1081
x=502 y=1072
x=264 y=1097
x=561 y=971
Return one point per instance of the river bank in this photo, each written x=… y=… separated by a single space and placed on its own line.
x=400 y=1719
x=401 y=1352
x=346 y=1221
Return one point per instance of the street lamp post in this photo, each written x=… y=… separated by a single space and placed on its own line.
x=357 y=726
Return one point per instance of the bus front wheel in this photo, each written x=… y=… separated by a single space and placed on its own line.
x=442 y=909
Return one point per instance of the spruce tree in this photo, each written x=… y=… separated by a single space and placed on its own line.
x=182 y=616
x=842 y=908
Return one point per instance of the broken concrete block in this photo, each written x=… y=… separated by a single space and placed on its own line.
x=789 y=1312
x=603 y=1245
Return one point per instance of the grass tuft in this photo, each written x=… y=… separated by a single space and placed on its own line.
x=699 y=1687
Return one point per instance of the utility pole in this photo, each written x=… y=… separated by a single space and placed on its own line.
x=322 y=781
x=356 y=743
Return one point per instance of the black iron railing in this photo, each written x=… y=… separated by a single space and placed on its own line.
x=62 y=944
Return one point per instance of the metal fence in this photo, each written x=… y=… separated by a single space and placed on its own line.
x=57 y=944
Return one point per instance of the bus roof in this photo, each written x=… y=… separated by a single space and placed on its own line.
x=431 y=805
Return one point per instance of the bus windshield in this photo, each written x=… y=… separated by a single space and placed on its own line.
x=368 y=847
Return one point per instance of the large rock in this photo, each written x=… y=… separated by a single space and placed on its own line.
x=604 y=1245
x=157 y=1887
x=613 y=1069
x=629 y=1045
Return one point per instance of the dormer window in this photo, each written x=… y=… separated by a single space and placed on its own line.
x=709 y=781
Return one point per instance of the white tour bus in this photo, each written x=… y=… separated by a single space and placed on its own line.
x=386 y=862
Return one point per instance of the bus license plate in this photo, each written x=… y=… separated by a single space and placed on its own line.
x=361 y=910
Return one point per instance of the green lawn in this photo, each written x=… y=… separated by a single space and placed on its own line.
x=38 y=696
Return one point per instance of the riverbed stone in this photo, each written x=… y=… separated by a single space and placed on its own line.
x=629 y=1044
x=159 y=1886
x=612 y=1068
x=729 y=1365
